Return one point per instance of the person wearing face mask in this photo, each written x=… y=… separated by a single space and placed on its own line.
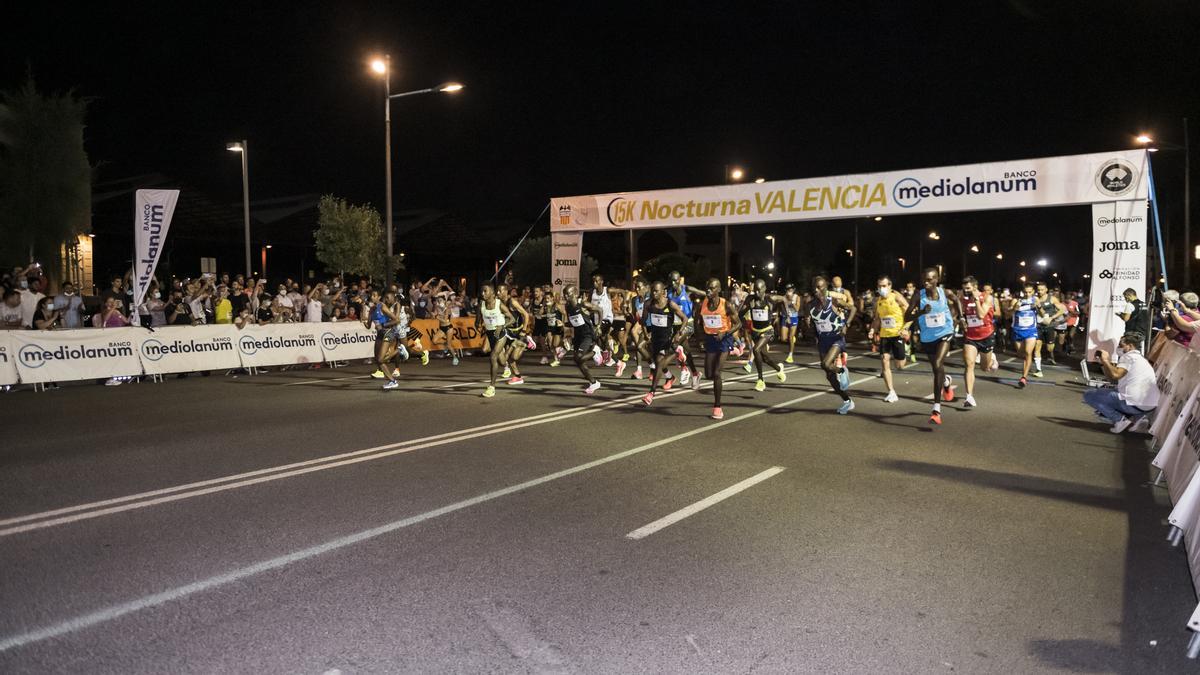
x=10 y=311
x=178 y=312
x=70 y=306
x=1136 y=394
x=890 y=332
x=30 y=299
x=284 y=300
x=312 y=309
x=979 y=333
x=222 y=307
x=47 y=317
x=153 y=306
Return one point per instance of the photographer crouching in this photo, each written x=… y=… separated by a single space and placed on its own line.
x=1136 y=395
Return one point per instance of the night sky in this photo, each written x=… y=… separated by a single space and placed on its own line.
x=622 y=97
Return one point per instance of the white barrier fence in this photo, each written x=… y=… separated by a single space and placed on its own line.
x=34 y=357
x=1176 y=433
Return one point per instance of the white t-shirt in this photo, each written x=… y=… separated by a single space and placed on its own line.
x=601 y=300
x=312 y=314
x=29 y=303
x=1137 y=387
x=9 y=314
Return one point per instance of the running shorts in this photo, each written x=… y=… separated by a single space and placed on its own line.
x=893 y=346
x=540 y=326
x=584 y=343
x=662 y=347
x=792 y=320
x=618 y=325
x=829 y=341
x=768 y=332
x=714 y=344
x=931 y=348
x=985 y=346
x=1045 y=333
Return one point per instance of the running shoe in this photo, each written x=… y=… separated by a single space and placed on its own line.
x=403 y=351
x=935 y=417
x=891 y=397
x=1037 y=373
x=507 y=373
x=648 y=398
x=760 y=386
x=625 y=356
x=424 y=358
x=591 y=388
x=489 y=392
x=637 y=373
x=545 y=360
x=948 y=390
x=680 y=355
x=378 y=374
x=846 y=407
x=516 y=379
x=685 y=376
x=554 y=363
x=1121 y=425
x=454 y=362
x=1022 y=382
x=529 y=343
x=669 y=382
x=1051 y=361
x=609 y=363
x=696 y=381
x=718 y=414
x=597 y=358
x=391 y=384
x=969 y=402
x=395 y=372
x=844 y=379
x=912 y=358
x=994 y=364
x=789 y=359
x=780 y=374
x=736 y=351
x=559 y=352
x=620 y=368
x=749 y=367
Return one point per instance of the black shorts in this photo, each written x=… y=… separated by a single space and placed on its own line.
x=584 y=343
x=759 y=333
x=931 y=348
x=618 y=325
x=540 y=327
x=985 y=346
x=554 y=330
x=605 y=327
x=662 y=347
x=893 y=346
x=1045 y=333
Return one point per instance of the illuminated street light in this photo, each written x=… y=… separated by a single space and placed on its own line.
x=974 y=248
x=999 y=256
x=1041 y=262
x=903 y=263
x=878 y=218
x=771 y=238
x=1022 y=263
x=935 y=236
x=760 y=180
x=850 y=252
x=771 y=265
x=242 y=149
x=1144 y=139
x=379 y=66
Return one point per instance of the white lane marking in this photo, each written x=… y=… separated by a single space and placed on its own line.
x=327 y=379
x=179 y=592
x=106 y=507
x=1010 y=359
x=693 y=509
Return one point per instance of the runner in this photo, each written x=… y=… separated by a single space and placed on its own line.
x=375 y=319
x=620 y=332
x=866 y=310
x=720 y=323
x=1024 y=311
x=602 y=317
x=555 y=315
x=1073 y=313
x=680 y=294
x=827 y=313
x=914 y=334
x=758 y=309
x=934 y=313
x=979 y=333
x=584 y=334
x=1051 y=314
x=661 y=316
x=518 y=340
x=387 y=340
x=637 y=334
x=889 y=330
x=541 y=329
x=789 y=320
x=491 y=319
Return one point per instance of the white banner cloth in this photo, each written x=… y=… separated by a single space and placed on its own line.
x=64 y=355
x=1047 y=181
x=347 y=340
x=184 y=349
x=279 y=344
x=1118 y=263
x=152 y=214
x=1177 y=458
x=1174 y=387
x=566 y=253
x=8 y=360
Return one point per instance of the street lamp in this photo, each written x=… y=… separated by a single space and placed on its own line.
x=736 y=174
x=243 y=149
x=733 y=174
x=1041 y=262
x=903 y=263
x=384 y=67
x=999 y=256
x=264 y=262
x=771 y=265
x=760 y=180
x=878 y=218
x=850 y=252
x=771 y=238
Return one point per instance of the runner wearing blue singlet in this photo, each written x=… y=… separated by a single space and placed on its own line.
x=936 y=312
x=680 y=293
x=789 y=320
x=1024 y=311
x=829 y=313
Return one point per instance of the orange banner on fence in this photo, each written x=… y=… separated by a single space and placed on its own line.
x=463 y=334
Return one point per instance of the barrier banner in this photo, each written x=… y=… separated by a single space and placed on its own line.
x=1173 y=390
x=463 y=334
x=346 y=341
x=1046 y=181
x=8 y=361
x=1167 y=369
x=1178 y=457
x=185 y=349
x=1118 y=263
x=64 y=355
x=566 y=252
x=280 y=344
x=153 y=210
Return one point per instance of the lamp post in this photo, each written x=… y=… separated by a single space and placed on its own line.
x=921 y=251
x=384 y=67
x=771 y=238
x=1151 y=146
x=732 y=175
x=243 y=148
x=264 y=261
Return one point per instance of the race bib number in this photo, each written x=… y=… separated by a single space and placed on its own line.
x=760 y=315
x=577 y=320
x=935 y=320
x=824 y=326
x=974 y=322
x=1024 y=321
x=714 y=321
x=888 y=322
x=658 y=320
x=492 y=323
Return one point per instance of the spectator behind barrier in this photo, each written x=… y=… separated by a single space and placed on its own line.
x=1136 y=395
x=1136 y=315
x=10 y=311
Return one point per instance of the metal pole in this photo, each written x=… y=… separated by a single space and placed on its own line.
x=1187 y=210
x=855 y=257
x=725 y=251
x=387 y=143
x=246 y=200
x=632 y=258
x=920 y=256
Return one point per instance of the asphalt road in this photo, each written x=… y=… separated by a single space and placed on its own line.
x=307 y=522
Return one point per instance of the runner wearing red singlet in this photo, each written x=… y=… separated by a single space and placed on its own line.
x=979 y=333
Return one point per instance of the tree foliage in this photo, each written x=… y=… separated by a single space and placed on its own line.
x=531 y=263
x=349 y=238
x=45 y=178
x=696 y=272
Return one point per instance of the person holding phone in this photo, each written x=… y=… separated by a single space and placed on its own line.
x=1137 y=392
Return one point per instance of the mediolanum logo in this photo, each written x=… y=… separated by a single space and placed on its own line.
x=331 y=341
x=1105 y=222
x=908 y=192
x=36 y=356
